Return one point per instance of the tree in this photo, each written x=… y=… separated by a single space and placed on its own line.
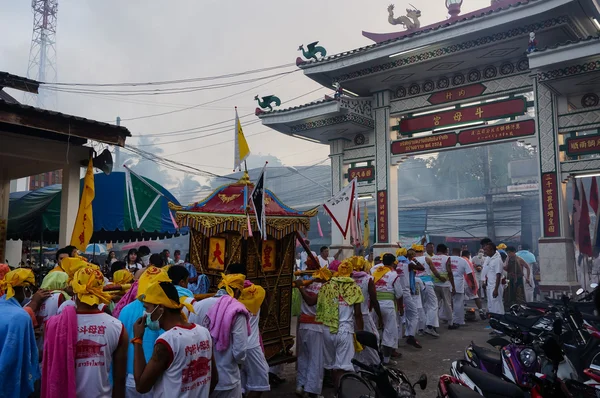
x=189 y=189
x=258 y=161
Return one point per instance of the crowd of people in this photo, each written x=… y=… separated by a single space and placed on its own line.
x=148 y=327
x=145 y=328
x=401 y=295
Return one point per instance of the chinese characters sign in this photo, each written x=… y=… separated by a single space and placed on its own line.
x=268 y=255
x=497 y=132
x=550 y=205
x=583 y=145
x=456 y=94
x=366 y=173
x=468 y=114
x=216 y=253
x=382 y=217
x=424 y=144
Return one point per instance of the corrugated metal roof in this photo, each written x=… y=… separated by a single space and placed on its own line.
x=18 y=82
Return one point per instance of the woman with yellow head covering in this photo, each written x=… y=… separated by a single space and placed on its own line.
x=56 y=282
x=18 y=349
x=182 y=346
x=100 y=342
x=129 y=310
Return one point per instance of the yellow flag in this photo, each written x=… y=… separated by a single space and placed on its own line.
x=84 y=224
x=241 y=150
x=366 y=230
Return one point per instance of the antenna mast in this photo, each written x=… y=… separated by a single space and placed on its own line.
x=42 y=54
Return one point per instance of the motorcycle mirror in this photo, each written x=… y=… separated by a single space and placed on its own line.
x=367 y=339
x=422 y=382
x=594 y=285
x=579 y=291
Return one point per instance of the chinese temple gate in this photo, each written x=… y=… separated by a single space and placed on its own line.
x=525 y=71
x=219 y=236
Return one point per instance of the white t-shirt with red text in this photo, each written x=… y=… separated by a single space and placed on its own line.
x=460 y=267
x=439 y=262
x=189 y=371
x=98 y=336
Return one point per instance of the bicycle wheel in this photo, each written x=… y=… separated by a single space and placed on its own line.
x=354 y=386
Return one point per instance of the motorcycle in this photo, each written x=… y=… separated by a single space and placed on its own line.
x=484 y=383
x=451 y=387
x=377 y=381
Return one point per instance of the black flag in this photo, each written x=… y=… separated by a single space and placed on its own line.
x=258 y=203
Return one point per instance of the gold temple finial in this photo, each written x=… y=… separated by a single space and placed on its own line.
x=245 y=179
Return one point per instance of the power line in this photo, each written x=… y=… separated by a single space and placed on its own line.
x=202 y=104
x=179 y=81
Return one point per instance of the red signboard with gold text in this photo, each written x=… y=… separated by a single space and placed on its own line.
x=468 y=114
x=550 y=205
x=456 y=94
x=363 y=173
x=433 y=142
x=382 y=217
x=497 y=132
x=583 y=145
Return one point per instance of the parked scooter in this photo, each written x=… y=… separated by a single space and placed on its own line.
x=377 y=381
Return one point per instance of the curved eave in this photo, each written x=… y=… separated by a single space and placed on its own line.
x=576 y=52
x=320 y=122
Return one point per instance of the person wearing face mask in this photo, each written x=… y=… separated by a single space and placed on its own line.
x=182 y=363
x=83 y=345
x=129 y=314
x=228 y=322
x=18 y=349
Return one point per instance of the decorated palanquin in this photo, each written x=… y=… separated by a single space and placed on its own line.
x=219 y=236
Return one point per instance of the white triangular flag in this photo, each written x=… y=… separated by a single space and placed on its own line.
x=340 y=207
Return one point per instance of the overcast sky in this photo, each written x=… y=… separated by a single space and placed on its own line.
x=107 y=41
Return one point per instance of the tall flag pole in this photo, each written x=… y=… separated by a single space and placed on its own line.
x=241 y=150
x=257 y=199
x=84 y=223
x=585 y=241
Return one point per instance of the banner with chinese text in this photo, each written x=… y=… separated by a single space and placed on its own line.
x=382 y=217
x=550 y=205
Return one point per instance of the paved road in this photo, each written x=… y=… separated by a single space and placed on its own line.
x=433 y=359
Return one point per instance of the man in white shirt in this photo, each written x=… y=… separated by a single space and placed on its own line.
x=324 y=259
x=177 y=260
x=493 y=273
x=231 y=354
x=444 y=287
x=304 y=256
x=460 y=268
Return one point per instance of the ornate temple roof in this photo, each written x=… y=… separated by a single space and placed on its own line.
x=388 y=38
x=224 y=210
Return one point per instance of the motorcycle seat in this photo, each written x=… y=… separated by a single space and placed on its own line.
x=538 y=305
x=489 y=356
x=460 y=391
x=521 y=322
x=492 y=386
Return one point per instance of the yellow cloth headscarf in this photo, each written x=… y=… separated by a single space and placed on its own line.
x=73 y=264
x=417 y=248
x=18 y=277
x=380 y=272
x=344 y=269
x=358 y=263
x=88 y=284
x=401 y=252
x=156 y=295
x=56 y=280
x=501 y=246
x=151 y=275
x=122 y=277
x=232 y=281
x=252 y=297
x=323 y=273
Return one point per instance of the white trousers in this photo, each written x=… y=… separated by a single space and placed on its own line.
x=444 y=295
x=458 y=309
x=410 y=313
x=233 y=393
x=528 y=290
x=422 y=318
x=390 y=335
x=131 y=392
x=430 y=305
x=310 y=361
x=495 y=305
x=368 y=355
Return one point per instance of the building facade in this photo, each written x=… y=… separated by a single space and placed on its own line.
x=45 y=179
x=523 y=71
